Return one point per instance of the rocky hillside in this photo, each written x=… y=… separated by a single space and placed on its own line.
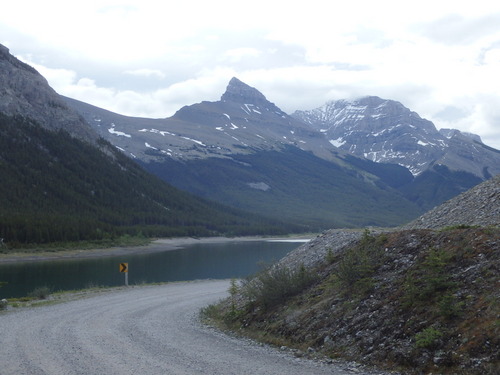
x=477 y=206
x=23 y=91
x=412 y=300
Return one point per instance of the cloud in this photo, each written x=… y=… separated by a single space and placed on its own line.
x=145 y=72
x=238 y=54
x=455 y=29
x=148 y=58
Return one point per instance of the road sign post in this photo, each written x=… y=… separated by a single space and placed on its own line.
x=124 y=269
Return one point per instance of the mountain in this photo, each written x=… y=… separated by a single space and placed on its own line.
x=242 y=122
x=385 y=131
x=24 y=91
x=444 y=163
x=245 y=152
x=62 y=182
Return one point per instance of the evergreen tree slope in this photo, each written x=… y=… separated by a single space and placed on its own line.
x=295 y=184
x=58 y=188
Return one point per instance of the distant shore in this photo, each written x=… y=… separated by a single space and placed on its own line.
x=162 y=244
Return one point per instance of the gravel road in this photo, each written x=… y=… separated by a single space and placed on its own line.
x=140 y=330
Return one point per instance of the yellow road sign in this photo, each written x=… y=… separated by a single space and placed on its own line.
x=123 y=267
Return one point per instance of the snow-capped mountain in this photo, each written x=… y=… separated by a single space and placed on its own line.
x=385 y=131
x=246 y=152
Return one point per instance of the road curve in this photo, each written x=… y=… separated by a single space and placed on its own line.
x=140 y=330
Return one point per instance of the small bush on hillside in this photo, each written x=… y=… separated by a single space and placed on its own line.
x=428 y=338
x=273 y=286
x=358 y=264
x=429 y=280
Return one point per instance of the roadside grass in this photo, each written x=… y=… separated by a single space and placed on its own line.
x=121 y=241
x=42 y=296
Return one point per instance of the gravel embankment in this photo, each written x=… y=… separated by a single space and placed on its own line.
x=478 y=206
x=140 y=330
x=314 y=252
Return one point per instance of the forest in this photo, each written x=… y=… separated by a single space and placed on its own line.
x=56 y=188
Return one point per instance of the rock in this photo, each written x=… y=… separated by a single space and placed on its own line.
x=23 y=91
x=315 y=251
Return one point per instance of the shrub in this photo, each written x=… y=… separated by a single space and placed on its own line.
x=233 y=291
x=428 y=338
x=359 y=263
x=275 y=285
x=429 y=280
x=450 y=307
x=40 y=293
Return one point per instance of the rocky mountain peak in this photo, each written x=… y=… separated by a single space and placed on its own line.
x=24 y=92
x=449 y=133
x=7 y=59
x=385 y=131
x=240 y=92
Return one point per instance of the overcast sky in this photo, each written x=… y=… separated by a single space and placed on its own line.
x=149 y=58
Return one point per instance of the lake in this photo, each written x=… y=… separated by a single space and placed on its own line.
x=198 y=261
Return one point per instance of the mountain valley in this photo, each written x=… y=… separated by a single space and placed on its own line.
x=233 y=151
x=372 y=162
x=62 y=183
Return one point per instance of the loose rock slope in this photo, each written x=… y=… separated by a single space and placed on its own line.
x=477 y=206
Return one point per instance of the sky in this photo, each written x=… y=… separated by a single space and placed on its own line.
x=149 y=58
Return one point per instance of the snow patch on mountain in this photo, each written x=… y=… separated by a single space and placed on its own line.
x=339 y=142
x=112 y=130
x=259 y=186
x=156 y=131
x=195 y=141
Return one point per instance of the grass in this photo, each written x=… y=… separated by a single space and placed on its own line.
x=33 y=299
x=122 y=241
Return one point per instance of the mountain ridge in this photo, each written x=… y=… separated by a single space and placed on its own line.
x=244 y=122
x=229 y=138
x=386 y=131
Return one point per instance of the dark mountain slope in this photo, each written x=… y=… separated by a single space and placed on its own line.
x=58 y=188
x=291 y=184
x=445 y=163
x=477 y=206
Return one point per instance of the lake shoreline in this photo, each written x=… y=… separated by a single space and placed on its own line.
x=159 y=245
